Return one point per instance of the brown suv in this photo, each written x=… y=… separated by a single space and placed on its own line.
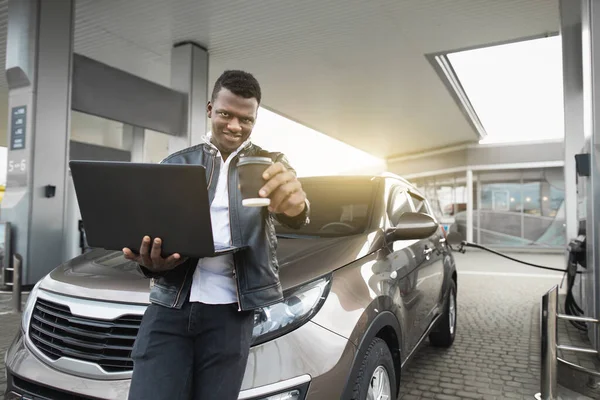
x=365 y=283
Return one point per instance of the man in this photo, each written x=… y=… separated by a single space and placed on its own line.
x=195 y=336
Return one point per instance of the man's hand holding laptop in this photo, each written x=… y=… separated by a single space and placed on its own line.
x=150 y=257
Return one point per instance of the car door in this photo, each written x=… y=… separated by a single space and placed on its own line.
x=404 y=267
x=431 y=267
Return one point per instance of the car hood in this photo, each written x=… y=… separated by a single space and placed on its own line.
x=108 y=276
x=302 y=260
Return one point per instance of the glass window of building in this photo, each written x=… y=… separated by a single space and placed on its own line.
x=512 y=208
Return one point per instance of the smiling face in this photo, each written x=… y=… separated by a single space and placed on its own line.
x=232 y=119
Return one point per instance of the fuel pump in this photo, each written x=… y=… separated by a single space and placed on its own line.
x=583 y=295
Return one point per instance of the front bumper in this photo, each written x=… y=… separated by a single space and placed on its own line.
x=308 y=360
x=21 y=389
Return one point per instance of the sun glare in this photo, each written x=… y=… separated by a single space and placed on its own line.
x=309 y=151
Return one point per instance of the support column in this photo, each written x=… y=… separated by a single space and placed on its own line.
x=189 y=74
x=38 y=69
x=133 y=140
x=590 y=28
x=570 y=31
x=470 y=205
x=478 y=208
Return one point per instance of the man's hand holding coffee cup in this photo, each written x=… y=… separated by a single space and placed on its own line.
x=284 y=190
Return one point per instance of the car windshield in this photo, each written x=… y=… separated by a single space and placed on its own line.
x=338 y=207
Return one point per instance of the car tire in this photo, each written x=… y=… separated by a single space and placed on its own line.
x=376 y=373
x=445 y=332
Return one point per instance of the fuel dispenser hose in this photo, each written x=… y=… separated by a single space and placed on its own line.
x=576 y=250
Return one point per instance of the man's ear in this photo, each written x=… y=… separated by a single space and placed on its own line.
x=208 y=109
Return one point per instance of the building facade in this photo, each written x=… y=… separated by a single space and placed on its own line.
x=517 y=197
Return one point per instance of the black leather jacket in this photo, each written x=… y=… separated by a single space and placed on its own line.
x=256 y=268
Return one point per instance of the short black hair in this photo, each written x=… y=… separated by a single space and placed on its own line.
x=240 y=83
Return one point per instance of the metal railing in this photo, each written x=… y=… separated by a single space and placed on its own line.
x=549 y=317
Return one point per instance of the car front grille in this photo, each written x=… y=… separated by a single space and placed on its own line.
x=58 y=333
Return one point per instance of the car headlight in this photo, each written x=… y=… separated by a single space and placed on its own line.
x=298 y=306
x=28 y=310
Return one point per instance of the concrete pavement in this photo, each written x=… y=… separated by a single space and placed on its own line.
x=496 y=351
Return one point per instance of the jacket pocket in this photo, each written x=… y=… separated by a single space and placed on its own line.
x=257 y=270
x=163 y=295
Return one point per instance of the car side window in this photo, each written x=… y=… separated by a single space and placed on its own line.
x=399 y=205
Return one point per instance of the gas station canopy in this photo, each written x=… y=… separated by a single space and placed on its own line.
x=357 y=71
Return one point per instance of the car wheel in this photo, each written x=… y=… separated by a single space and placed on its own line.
x=376 y=379
x=444 y=334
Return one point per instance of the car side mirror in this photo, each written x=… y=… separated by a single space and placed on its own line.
x=413 y=226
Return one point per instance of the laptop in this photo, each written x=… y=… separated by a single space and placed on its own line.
x=121 y=202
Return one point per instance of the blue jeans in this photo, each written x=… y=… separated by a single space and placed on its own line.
x=197 y=352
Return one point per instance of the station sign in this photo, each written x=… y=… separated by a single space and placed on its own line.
x=18 y=126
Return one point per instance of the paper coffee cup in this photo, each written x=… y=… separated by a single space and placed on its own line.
x=250 y=170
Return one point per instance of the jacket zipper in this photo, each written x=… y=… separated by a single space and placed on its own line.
x=235 y=279
x=211 y=171
x=237 y=290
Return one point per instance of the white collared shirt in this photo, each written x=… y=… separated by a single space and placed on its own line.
x=213 y=281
